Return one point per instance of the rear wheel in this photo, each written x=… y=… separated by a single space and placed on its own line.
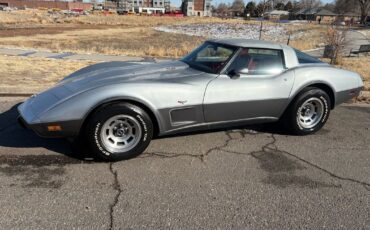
x=119 y=131
x=309 y=112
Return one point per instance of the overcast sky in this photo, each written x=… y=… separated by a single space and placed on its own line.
x=216 y=2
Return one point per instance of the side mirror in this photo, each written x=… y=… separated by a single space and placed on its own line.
x=243 y=71
x=235 y=74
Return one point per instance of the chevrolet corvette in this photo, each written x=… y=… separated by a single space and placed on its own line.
x=118 y=107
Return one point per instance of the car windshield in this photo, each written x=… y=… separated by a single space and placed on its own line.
x=210 y=57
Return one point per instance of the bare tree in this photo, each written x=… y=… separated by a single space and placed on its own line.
x=336 y=40
x=329 y=6
x=263 y=7
x=222 y=9
x=344 y=6
x=309 y=4
x=238 y=7
x=275 y=3
x=364 y=8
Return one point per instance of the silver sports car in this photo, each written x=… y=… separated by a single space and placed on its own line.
x=119 y=106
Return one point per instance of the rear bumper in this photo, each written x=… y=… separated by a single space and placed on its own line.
x=347 y=95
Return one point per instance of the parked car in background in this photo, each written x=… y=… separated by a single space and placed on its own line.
x=6 y=8
x=118 y=107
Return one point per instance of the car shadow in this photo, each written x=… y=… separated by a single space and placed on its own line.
x=13 y=135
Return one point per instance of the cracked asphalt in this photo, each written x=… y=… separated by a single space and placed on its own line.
x=247 y=178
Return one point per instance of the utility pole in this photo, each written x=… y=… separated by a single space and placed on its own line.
x=262 y=18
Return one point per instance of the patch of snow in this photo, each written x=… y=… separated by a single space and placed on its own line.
x=276 y=33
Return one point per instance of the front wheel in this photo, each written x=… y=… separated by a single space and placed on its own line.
x=309 y=111
x=119 y=131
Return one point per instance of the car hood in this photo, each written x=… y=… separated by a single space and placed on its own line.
x=102 y=74
x=120 y=72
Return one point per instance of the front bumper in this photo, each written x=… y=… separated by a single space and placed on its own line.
x=69 y=128
x=31 y=114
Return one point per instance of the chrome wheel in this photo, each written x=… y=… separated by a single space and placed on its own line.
x=310 y=113
x=120 y=133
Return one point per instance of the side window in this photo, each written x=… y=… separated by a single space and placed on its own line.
x=259 y=61
x=305 y=58
x=213 y=53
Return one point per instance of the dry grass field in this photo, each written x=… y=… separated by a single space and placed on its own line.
x=37 y=17
x=123 y=35
x=30 y=75
x=134 y=41
x=314 y=35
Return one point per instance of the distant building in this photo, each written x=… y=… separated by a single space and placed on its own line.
x=316 y=14
x=143 y=6
x=349 y=17
x=277 y=15
x=62 y=5
x=107 y=5
x=199 y=8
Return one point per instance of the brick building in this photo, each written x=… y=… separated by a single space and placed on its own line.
x=140 y=5
x=63 y=5
x=197 y=8
x=316 y=14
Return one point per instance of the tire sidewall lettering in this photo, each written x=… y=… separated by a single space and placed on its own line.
x=135 y=110
x=144 y=126
x=143 y=123
x=297 y=117
x=97 y=139
x=326 y=109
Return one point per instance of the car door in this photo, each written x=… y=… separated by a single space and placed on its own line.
x=256 y=85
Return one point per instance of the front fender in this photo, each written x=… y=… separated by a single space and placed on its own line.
x=78 y=107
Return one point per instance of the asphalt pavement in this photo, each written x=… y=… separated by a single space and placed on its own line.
x=247 y=178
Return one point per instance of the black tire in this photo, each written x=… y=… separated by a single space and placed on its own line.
x=140 y=121
x=292 y=118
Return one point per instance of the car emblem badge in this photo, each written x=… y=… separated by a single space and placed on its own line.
x=182 y=102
